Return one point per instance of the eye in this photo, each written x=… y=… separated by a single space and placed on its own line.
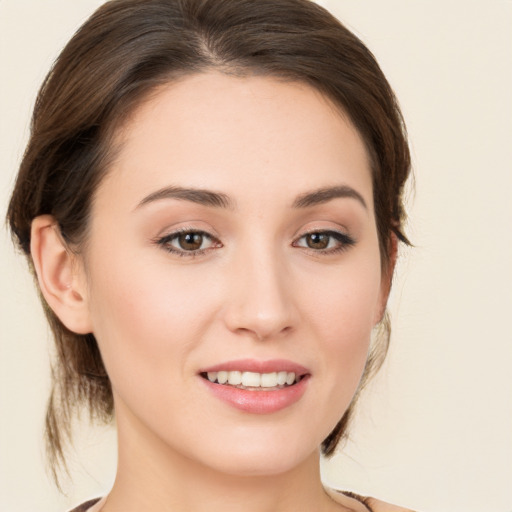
x=188 y=242
x=325 y=241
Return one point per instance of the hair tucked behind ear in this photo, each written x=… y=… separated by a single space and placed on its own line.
x=123 y=52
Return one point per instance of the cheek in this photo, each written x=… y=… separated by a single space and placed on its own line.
x=343 y=315
x=346 y=301
x=145 y=320
x=149 y=328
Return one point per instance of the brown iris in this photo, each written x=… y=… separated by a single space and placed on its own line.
x=190 y=241
x=318 y=240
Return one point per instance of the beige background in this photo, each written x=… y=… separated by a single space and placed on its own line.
x=435 y=429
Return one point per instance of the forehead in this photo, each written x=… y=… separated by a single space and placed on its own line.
x=240 y=135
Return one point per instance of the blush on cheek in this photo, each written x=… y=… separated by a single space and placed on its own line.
x=351 y=349
x=345 y=325
x=145 y=321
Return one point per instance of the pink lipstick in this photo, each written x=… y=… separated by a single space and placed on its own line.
x=259 y=387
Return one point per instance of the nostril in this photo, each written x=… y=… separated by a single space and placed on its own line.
x=264 y=332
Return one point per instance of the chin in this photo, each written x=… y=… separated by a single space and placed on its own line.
x=261 y=457
x=257 y=467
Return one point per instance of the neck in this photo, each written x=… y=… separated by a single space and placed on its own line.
x=153 y=477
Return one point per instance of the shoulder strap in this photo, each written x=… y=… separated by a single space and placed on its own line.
x=85 y=506
x=359 y=498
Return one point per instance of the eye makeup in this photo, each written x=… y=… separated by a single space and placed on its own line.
x=325 y=242
x=188 y=242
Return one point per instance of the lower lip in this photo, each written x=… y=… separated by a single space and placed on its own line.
x=258 y=402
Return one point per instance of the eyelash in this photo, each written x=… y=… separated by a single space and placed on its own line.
x=166 y=240
x=344 y=242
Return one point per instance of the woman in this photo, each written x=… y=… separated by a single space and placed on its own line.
x=211 y=201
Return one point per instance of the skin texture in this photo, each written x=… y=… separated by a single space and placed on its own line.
x=256 y=291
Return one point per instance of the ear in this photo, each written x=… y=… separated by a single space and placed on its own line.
x=386 y=278
x=60 y=275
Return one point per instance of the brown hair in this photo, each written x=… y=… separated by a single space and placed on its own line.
x=123 y=52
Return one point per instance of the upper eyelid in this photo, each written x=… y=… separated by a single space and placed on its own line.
x=325 y=223
x=342 y=236
x=344 y=242
x=179 y=231
x=299 y=235
x=164 y=242
x=175 y=234
x=323 y=230
x=328 y=231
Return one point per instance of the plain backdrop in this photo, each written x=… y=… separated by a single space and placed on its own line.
x=434 y=430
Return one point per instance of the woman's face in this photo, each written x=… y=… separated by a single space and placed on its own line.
x=234 y=238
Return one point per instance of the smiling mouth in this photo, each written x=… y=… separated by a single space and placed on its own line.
x=253 y=381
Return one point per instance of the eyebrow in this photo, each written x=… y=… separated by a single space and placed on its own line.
x=195 y=195
x=326 y=194
x=220 y=200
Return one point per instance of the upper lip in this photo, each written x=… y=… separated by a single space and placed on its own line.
x=256 y=366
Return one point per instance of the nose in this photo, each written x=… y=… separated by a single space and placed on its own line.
x=260 y=299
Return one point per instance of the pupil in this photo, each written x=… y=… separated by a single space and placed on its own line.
x=318 y=241
x=191 y=241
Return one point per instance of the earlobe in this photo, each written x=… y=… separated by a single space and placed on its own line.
x=57 y=274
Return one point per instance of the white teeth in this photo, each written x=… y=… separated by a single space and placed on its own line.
x=235 y=378
x=290 y=378
x=253 y=379
x=269 y=380
x=281 y=378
